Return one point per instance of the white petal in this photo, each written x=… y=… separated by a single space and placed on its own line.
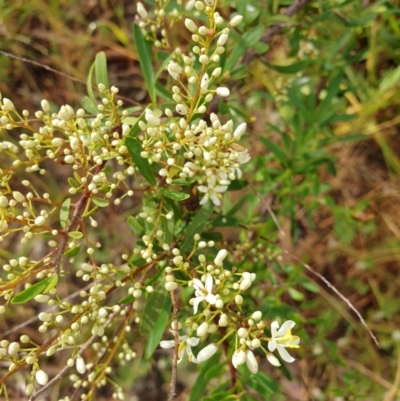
x=209 y=283
x=273 y=360
x=285 y=355
x=167 y=344
x=204 y=200
x=202 y=188
x=274 y=328
x=211 y=299
x=191 y=357
x=238 y=358
x=272 y=345
x=288 y=325
x=251 y=362
x=196 y=302
x=221 y=188
x=215 y=199
x=198 y=284
x=192 y=341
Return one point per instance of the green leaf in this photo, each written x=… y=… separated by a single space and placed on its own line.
x=154 y=305
x=134 y=225
x=40 y=287
x=64 y=212
x=89 y=105
x=100 y=202
x=168 y=229
x=75 y=234
x=262 y=383
x=178 y=196
x=144 y=51
x=154 y=336
x=101 y=69
x=276 y=150
x=89 y=88
x=73 y=251
x=290 y=69
x=197 y=391
x=126 y=300
x=135 y=148
x=196 y=226
x=235 y=185
x=295 y=294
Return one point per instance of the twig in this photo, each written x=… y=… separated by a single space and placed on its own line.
x=329 y=285
x=172 y=384
x=79 y=207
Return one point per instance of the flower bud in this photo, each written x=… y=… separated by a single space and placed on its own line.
x=222 y=254
x=171 y=286
x=206 y=353
x=18 y=196
x=45 y=105
x=30 y=388
x=251 y=362
x=3 y=201
x=8 y=105
x=243 y=333
x=238 y=358
x=235 y=20
x=141 y=10
x=13 y=348
x=239 y=131
x=222 y=39
x=41 y=377
x=44 y=317
x=80 y=365
x=245 y=284
x=39 y=221
x=273 y=360
x=202 y=329
x=190 y=25
x=174 y=70
x=181 y=109
x=151 y=117
x=224 y=92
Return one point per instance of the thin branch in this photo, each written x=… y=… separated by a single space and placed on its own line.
x=79 y=207
x=172 y=384
x=329 y=285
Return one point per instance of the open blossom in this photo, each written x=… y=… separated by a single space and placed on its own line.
x=282 y=338
x=212 y=191
x=185 y=346
x=240 y=357
x=203 y=292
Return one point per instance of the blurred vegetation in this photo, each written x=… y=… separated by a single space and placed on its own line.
x=322 y=99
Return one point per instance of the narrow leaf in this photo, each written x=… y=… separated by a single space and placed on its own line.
x=64 y=212
x=135 y=148
x=101 y=69
x=196 y=225
x=100 y=202
x=73 y=251
x=178 y=196
x=134 y=225
x=155 y=335
x=144 y=51
x=35 y=289
x=89 y=85
x=154 y=306
x=75 y=234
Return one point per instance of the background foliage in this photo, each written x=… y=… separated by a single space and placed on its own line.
x=322 y=99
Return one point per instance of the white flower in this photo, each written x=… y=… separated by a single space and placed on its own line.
x=174 y=69
x=212 y=192
x=203 y=292
x=240 y=357
x=243 y=157
x=206 y=353
x=282 y=338
x=185 y=345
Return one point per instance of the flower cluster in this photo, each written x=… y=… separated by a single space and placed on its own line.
x=217 y=302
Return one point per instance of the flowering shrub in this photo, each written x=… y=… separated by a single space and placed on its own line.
x=180 y=162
